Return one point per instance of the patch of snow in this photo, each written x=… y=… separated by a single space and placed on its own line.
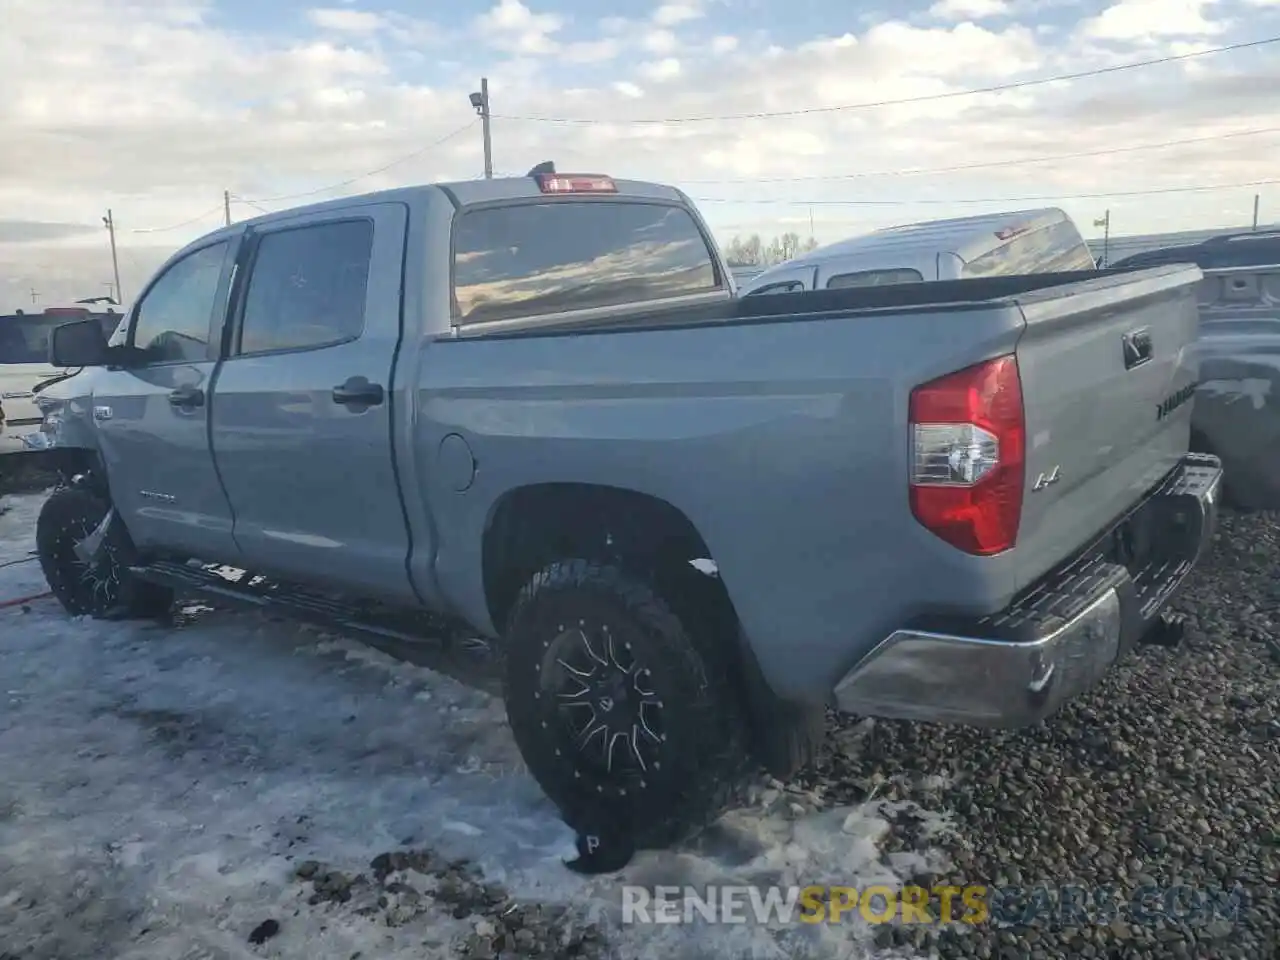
x=705 y=565
x=161 y=784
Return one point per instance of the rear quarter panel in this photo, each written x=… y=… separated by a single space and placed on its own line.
x=784 y=443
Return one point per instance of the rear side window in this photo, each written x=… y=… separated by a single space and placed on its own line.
x=538 y=258
x=307 y=287
x=1056 y=248
x=874 y=278
x=786 y=286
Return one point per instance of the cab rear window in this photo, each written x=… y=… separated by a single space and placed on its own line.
x=533 y=259
x=874 y=278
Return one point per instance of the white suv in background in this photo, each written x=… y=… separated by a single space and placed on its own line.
x=24 y=363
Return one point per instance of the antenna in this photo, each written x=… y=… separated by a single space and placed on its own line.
x=545 y=167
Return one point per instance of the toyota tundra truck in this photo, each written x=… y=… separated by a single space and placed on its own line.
x=689 y=521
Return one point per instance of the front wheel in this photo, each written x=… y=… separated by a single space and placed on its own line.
x=629 y=724
x=102 y=588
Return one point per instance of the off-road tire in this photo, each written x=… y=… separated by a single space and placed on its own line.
x=110 y=592
x=704 y=764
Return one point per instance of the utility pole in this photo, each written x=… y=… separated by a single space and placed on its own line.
x=226 y=207
x=480 y=101
x=35 y=297
x=109 y=222
x=1257 y=198
x=1105 y=223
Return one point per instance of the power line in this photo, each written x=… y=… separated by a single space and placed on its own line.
x=184 y=223
x=921 y=171
x=249 y=203
x=924 y=98
x=311 y=193
x=371 y=173
x=1002 y=200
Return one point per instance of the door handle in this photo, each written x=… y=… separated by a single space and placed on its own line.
x=186 y=397
x=358 y=394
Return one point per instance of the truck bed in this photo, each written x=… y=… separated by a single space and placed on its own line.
x=953 y=295
x=779 y=426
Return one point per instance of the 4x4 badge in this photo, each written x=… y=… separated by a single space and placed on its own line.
x=1045 y=480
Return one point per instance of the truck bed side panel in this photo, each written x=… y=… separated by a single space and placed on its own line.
x=784 y=443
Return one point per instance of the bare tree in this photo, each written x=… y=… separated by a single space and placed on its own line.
x=753 y=252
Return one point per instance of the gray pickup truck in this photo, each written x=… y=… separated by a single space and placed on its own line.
x=535 y=406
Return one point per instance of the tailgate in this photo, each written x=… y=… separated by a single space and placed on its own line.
x=1108 y=370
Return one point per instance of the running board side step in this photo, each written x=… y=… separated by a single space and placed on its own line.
x=245 y=589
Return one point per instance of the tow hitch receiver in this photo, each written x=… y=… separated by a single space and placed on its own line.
x=1167 y=630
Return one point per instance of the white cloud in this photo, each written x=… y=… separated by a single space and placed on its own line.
x=592 y=51
x=968 y=9
x=345 y=21
x=152 y=110
x=1139 y=19
x=670 y=14
x=660 y=70
x=660 y=41
x=513 y=27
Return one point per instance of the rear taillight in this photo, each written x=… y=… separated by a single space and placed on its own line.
x=968 y=442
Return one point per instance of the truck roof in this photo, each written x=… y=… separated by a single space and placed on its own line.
x=954 y=234
x=464 y=192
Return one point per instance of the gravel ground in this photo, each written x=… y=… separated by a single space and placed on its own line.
x=1165 y=777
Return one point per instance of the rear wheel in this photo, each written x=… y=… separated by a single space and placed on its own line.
x=100 y=587
x=631 y=726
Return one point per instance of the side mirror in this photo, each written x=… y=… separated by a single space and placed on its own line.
x=80 y=343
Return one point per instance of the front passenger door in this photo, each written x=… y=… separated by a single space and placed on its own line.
x=153 y=414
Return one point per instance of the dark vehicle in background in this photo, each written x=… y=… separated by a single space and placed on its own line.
x=1226 y=251
x=24 y=366
x=1235 y=414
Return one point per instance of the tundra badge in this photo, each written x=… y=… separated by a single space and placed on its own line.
x=1175 y=400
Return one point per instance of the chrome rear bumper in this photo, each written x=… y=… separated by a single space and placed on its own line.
x=1016 y=667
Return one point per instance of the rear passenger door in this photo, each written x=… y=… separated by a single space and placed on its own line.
x=303 y=410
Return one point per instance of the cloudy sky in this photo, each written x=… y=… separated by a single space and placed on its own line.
x=154 y=107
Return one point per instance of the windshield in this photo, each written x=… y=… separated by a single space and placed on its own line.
x=24 y=338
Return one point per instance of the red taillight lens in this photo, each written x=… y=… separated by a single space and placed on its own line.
x=968 y=443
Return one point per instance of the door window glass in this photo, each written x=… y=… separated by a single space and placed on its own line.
x=171 y=323
x=307 y=287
